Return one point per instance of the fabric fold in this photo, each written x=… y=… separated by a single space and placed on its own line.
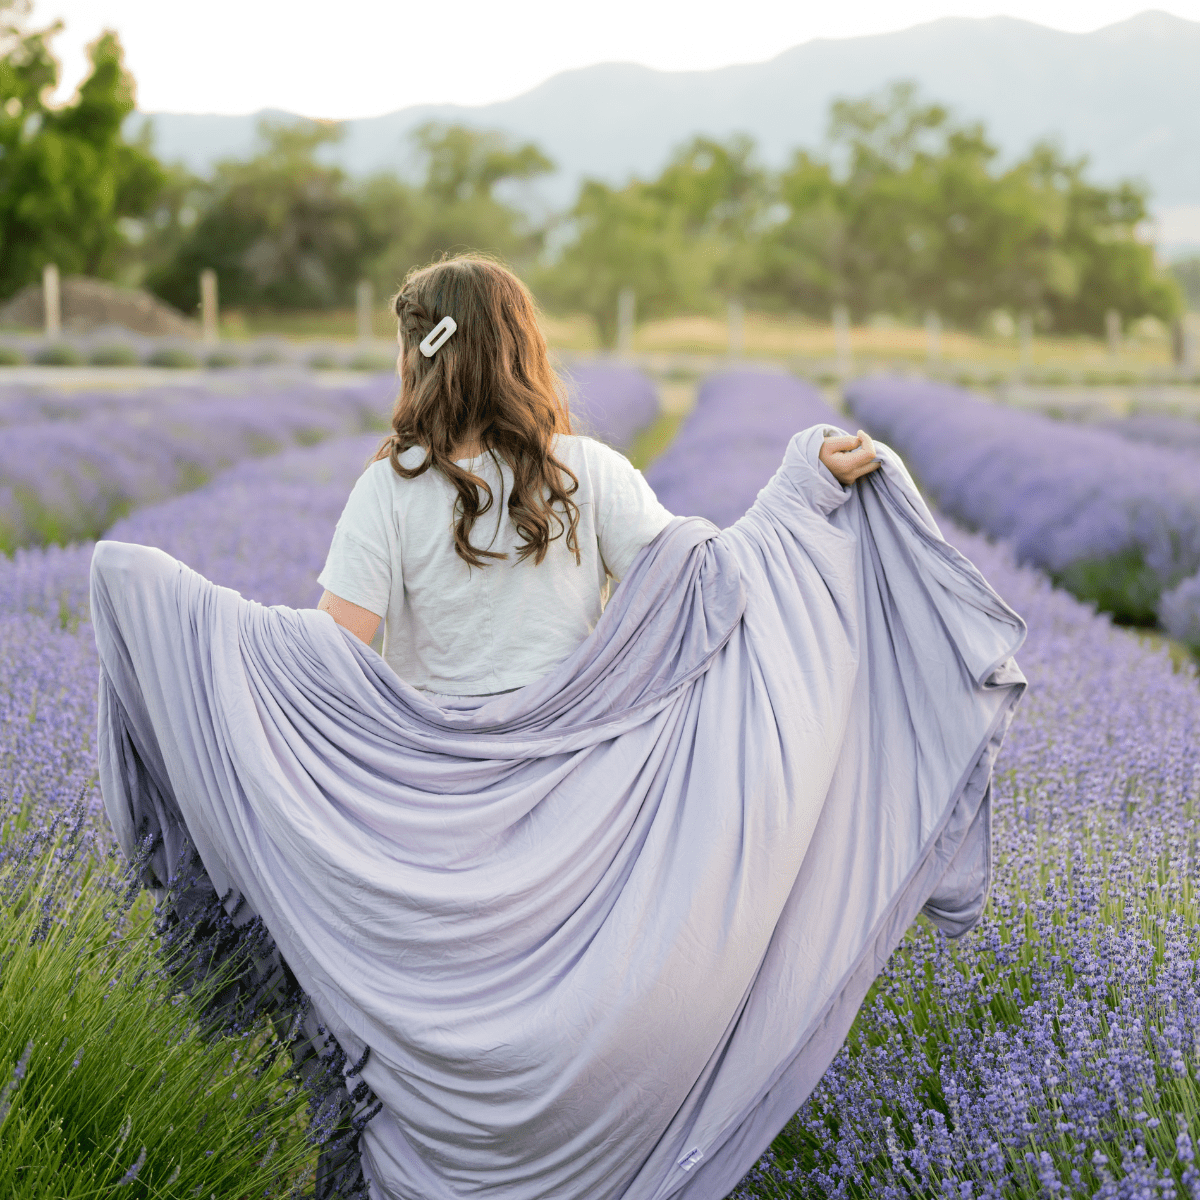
x=600 y=936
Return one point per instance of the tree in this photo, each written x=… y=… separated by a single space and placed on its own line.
x=281 y=229
x=457 y=205
x=1106 y=266
x=619 y=238
x=68 y=178
x=910 y=213
x=676 y=240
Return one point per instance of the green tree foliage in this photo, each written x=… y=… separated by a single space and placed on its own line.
x=68 y=178
x=622 y=238
x=281 y=229
x=458 y=205
x=679 y=241
x=909 y=211
x=284 y=230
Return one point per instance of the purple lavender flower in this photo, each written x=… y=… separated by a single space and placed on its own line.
x=68 y=471
x=1113 y=520
x=611 y=401
x=733 y=442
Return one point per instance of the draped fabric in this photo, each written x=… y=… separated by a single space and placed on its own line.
x=598 y=937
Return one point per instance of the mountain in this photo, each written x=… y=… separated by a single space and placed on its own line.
x=1126 y=95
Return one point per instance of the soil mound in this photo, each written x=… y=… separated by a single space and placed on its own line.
x=89 y=304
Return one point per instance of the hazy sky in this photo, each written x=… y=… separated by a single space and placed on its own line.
x=355 y=58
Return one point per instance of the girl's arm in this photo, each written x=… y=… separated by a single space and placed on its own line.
x=360 y=621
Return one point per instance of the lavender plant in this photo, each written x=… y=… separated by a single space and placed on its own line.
x=1115 y=522
x=1055 y=1050
x=611 y=401
x=1179 y=611
x=733 y=442
x=67 y=474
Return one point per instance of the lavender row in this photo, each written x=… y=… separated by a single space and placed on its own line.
x=1179 y=607
x=611 y=401
x=1156 y=429
x=62 y=480
x=70 y=464
x=733 y=441
x=1115 y=521
x=27 y=404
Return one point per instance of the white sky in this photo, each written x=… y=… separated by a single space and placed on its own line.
x=357 y=58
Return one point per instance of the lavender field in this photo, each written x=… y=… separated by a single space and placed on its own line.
x=1053 y=1051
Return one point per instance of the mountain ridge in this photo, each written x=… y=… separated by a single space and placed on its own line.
x=1123 y=95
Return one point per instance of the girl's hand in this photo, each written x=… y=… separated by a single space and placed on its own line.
x=849 y=458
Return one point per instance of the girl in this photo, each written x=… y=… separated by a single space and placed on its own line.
x=573 y=899
x=482 y=448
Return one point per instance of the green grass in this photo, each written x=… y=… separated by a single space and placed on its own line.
x=108 y=1085
x=655 y=438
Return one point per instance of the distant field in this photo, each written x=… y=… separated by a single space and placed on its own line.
x=765 y=336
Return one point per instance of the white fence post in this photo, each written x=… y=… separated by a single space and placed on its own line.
x=737 y=329
x=626 y=302
x=208 y=307
x=933 y=337
x=51 y=301
x=841 y=339
x=365 y=299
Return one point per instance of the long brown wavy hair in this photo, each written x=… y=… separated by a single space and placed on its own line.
x=491 y=382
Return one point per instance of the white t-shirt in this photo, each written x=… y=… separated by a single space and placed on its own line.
x=460 y=631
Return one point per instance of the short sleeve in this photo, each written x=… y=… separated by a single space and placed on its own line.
x=364 y=556
x=628 y=514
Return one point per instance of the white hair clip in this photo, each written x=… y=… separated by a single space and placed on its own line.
x=438 y=336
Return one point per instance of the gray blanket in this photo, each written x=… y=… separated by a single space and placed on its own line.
x=598 y=937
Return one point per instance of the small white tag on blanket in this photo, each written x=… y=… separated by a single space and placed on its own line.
x=691 y=1158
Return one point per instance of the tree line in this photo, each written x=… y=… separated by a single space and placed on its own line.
x=905 y=210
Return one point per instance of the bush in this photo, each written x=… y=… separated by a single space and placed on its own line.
x=323 y=362
x=58 y=354
x=114 y=356
x=10 y=357
x=174 y=357
x=222 y=359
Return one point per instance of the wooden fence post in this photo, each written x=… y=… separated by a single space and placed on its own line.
x=933 y=337
x=1025 y=338
x=365 y=300
x=626 y=302
x=51 y=301
x=1112 y=332
x=208 y=307
x=841 y=340
x=737 y=329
